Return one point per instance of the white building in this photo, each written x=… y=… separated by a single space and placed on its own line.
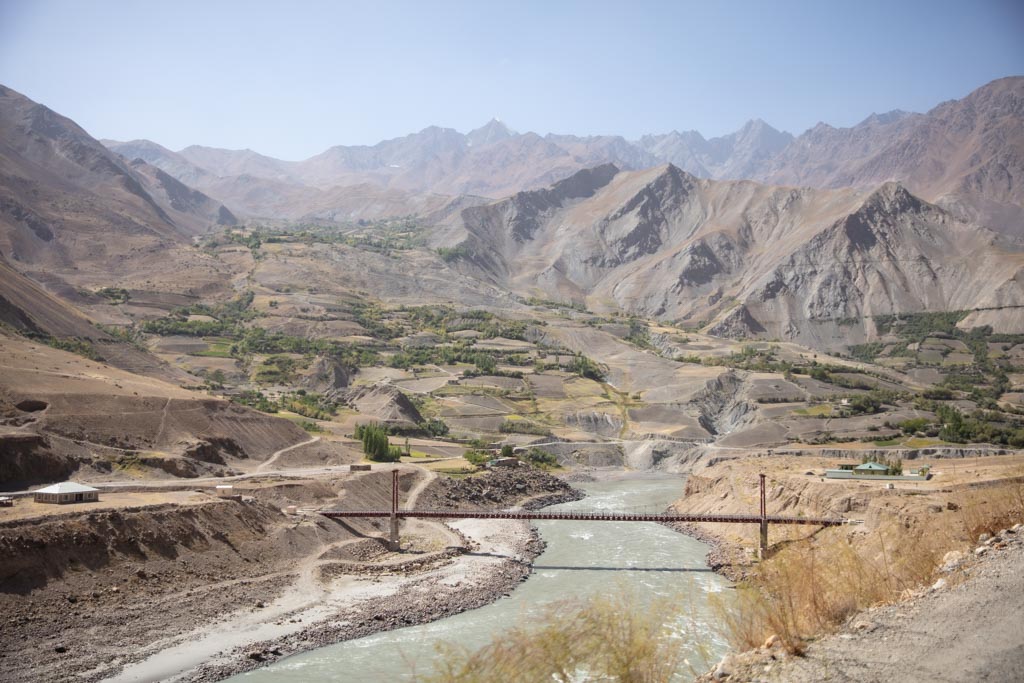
x=67 y=492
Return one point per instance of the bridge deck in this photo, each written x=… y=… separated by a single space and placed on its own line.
x=587 y=516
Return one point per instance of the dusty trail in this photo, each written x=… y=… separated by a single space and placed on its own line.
x=305 y=600
x=163 y=422
x=414 y=494
x=277 y=454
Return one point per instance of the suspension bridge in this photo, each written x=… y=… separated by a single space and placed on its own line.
x=762 y=519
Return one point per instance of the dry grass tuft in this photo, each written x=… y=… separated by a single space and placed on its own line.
x=614 y=637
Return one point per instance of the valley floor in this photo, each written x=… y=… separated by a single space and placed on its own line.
x=310 y=613
x=194 y=588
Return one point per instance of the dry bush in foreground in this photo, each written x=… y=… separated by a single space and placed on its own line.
x=813 y=586
x=608 y=638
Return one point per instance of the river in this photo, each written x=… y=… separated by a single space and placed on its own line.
x=581 y=559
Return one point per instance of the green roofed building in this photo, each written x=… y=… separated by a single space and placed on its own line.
x=871 y=468
x=876 y=471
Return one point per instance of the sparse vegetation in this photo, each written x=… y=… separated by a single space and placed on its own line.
x=116 y=295
x=613 y=637
x=509 y=426
x=81 y=347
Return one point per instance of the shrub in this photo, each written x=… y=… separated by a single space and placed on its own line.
x=612 y=637
x=541 y=458
x=475 y=457
x=813 y=585
x=913 y=425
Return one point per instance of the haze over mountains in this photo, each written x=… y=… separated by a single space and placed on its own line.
x=963 y=153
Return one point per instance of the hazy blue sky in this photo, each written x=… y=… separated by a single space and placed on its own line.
x=293 y=78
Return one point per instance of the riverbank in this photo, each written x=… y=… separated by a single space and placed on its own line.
x=728 y=559
x=199 y=591
x=497 y=559
x=822 y=581
x=484 y=561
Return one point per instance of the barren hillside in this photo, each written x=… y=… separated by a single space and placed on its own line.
x=741 y=258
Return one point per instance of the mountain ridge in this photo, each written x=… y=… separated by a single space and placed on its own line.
x=955 y=154
x=739 y=257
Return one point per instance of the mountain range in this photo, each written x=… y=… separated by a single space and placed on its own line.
x=739 y=258
x=963 y=154
x=901 y=213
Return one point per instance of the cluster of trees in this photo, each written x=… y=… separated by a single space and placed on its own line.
x=979 y=427
x=375 y=443
x=541 y=458
x=117 y=295
x=255 y=399
x=70 y=344
x=434 y=427
x=584 y=367
x=535 y=456
x=309 y=405
x=864 y=404
x=227 y=319
x=823 y=374
x=914 y=425
x=484 y=362
x=276 y=369
x=639 y=333
x=450 y=254
x=188 y=328
x=523 y=427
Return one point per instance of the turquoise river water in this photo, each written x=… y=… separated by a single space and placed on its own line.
x=581 y=559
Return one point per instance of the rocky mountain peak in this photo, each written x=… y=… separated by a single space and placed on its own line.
x=893 y=198
x=764 y=136
x=489 y=133
x=885 y=118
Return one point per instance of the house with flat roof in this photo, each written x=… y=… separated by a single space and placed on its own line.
x=876 y=471
x=67 y=492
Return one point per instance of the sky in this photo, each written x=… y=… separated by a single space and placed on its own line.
x=290 y=79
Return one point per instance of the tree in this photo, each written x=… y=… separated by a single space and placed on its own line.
x=475 y=457
x=913 y=425
x=542 y=459
x=375 y=443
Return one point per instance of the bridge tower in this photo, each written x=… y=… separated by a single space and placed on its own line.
x=762 y=548
x=393 y=543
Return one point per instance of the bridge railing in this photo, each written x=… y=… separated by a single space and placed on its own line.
x=586 y=516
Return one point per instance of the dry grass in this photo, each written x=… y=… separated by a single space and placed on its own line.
x=606 y=638
x=813 y=586
x=988 y=509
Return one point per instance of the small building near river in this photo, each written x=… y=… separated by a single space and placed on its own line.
x=875 y=471
x=66 y=492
